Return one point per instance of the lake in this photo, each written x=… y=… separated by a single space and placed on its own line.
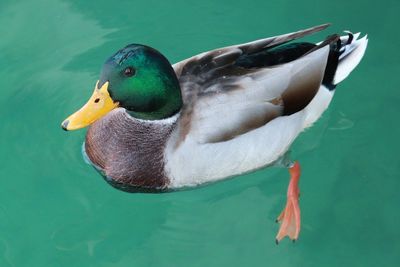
x=55 y=210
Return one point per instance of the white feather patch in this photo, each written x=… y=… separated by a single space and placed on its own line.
x=317 y=106
x=193 y=163
x=352 y=56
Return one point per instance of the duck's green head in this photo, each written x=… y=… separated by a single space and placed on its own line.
x=137 y=78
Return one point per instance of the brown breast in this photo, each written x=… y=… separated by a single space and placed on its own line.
x=130 y=152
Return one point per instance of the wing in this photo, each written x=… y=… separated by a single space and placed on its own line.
x=230 y=91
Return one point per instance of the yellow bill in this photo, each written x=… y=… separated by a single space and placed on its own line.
x=99 y=104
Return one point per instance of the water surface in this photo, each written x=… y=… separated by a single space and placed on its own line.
x=55 y=210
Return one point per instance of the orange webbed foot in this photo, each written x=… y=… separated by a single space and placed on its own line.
x=290 y=216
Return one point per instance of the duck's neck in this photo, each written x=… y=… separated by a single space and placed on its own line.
x=167 y=111
x=164 y=104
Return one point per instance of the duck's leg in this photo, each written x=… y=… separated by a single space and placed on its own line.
x=290 y=216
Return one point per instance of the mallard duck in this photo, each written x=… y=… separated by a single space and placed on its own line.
x=156 y=127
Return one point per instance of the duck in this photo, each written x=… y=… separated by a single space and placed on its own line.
x=156 y=127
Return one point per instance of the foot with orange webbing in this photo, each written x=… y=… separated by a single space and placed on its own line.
x=290 y=216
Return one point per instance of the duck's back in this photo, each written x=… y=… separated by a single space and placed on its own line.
x=246 y=104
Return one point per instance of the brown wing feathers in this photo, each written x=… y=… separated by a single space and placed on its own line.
x=221 y=70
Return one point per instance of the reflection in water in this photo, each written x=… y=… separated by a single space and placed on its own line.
x=342 y=123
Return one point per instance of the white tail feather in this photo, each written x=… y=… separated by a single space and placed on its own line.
x=350 y=57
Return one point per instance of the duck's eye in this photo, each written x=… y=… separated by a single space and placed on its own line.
x=129 y=71
x=97 y=100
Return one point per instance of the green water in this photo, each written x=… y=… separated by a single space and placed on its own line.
x=55 y=210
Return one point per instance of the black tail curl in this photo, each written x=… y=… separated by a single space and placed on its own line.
x=337 y=48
